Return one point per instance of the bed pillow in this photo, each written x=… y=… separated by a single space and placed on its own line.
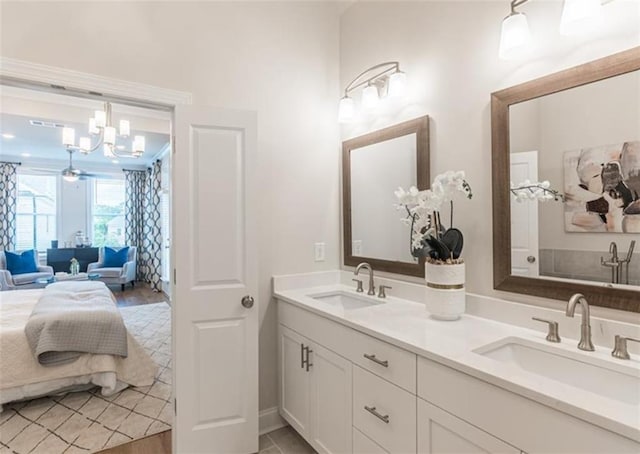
x=115 y=259
x=21 y=263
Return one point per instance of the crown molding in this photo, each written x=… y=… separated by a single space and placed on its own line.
x=61 y=80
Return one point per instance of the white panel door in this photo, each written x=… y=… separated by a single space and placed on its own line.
x=440 y=432
x=524 y=218
x=331 y=402
x=215 y=336
x=294 y=379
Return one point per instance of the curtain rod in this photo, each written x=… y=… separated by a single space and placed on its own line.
x=138 y=170
x=8 y=162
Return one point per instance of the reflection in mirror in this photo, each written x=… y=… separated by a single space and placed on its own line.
x=377 y=170
x=586 y=142
x=374 y=166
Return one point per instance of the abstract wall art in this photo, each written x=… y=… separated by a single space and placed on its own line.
x=602 y=188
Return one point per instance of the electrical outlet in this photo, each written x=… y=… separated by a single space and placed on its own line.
x=356 y=248
x=319 y=252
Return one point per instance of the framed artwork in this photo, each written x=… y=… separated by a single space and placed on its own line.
x=602 y=188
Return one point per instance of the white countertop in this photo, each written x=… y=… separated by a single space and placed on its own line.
x=407 y=324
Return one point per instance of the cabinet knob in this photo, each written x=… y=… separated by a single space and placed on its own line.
x=247 y=301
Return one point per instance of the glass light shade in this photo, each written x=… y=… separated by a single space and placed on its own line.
x=93 y=129
x=108 y=151
x=346 y=110
x=110 y=135
x=101 y=118
x=138 y=144
x=370 y=97
x=68 y=136
x=84 y=144
x=579 y=16
x=125 y=128
x=397 y=84
x=515 y=35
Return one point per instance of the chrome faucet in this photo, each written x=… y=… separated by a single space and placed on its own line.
x=585 y=327
x=613 y=263
x=372 y=288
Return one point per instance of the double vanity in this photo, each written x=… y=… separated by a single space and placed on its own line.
x=368 y=374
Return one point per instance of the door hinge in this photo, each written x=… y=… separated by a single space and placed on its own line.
x=174 y=276
x=173 y=144
x=175 y=406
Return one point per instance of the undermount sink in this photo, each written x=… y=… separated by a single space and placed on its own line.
x=345 y=300
x=614 y=381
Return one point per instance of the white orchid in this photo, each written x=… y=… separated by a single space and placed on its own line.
x=536 y=190
x=422 y=206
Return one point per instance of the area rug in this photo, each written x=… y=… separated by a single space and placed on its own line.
x=86 y=422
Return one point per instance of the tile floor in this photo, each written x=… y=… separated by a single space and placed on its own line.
x=284 y=441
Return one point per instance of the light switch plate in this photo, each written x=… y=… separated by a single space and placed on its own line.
x=319 y=252
x=356 y=248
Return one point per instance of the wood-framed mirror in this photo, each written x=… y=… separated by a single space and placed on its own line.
x=373 y=167
x=579 y=129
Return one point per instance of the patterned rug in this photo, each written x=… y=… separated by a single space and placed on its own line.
x=86 y=422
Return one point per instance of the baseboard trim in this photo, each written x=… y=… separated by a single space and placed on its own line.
x=270 y=420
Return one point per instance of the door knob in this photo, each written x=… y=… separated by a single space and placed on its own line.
x=531 y=259
x=247 y=301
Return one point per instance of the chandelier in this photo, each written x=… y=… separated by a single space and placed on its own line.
x=101 y=127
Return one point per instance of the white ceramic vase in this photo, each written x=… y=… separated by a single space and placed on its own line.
x=445 y=294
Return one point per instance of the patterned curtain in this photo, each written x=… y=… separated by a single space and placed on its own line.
x=152 y=251
x=8 y=204
x=135 y=194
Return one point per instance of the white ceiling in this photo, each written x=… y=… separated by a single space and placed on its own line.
x=42 y=146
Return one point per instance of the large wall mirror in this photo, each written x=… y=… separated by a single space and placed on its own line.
x=580 y=130
x=373 y=167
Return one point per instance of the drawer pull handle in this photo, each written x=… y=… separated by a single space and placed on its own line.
x=373 y=411
x=373 y=358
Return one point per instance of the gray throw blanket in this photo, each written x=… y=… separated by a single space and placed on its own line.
x=72 y=318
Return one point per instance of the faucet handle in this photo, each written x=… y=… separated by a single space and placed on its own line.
x=359 y=289
x=620 y=348
x=381 y=291
x=552 y=334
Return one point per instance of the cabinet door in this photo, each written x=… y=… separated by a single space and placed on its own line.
x=331 y=412
x=294 y=380
x=440 y=432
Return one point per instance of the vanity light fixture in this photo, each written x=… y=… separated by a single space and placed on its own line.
x=515 y=31
x=379 y=81
x=580 y=15
x=577 y=16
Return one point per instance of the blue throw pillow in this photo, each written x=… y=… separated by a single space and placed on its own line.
x=115 y=259
x=21 y=263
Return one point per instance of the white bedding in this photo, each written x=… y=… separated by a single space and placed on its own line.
x=21 y=376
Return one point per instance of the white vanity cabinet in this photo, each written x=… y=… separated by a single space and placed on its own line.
x=364 y=395
x=315 y=392
x=440 y=432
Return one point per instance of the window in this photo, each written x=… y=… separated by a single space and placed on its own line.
x=36 y=211
x=108 y=212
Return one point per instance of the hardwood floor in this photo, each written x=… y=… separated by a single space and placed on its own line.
x=280 y=441
x=140 y=294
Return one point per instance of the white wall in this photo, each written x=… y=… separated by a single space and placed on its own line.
x=449 y=51
x=279 y=59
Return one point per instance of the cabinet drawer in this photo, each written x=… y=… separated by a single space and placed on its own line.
x=385 y=360
x=363 y=444
x=384 y=412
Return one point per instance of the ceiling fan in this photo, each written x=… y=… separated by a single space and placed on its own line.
x=71 y=174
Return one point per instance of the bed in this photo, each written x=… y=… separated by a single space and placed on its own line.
x=23 y=377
